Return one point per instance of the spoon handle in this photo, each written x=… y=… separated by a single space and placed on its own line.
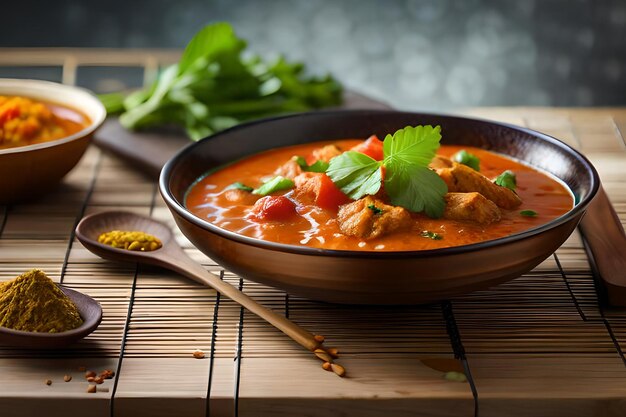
x=178 y=261
x=605 y=239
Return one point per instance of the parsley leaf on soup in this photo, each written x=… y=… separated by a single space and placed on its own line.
x=466 y=158
x=278 y=183
x=417 y=189
x=431 y=235
x=412 y=145
x=239 y=186
x=507 y=179
x=408 y=180
x=356 y=174
x=317 y=166
x=375 y=209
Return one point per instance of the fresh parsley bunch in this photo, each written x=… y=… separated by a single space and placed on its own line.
x=408 y=181
x=212 y=88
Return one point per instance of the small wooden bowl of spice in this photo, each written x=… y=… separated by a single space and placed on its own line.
x=37 y=313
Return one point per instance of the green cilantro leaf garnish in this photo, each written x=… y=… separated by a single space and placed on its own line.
x=317 y=166
x=528 y=213
x=356 y=174
x=239 y=186
x=466 y=158
x=507 y=179
x=408 y=180
x=417 y=189
x=277 y=183
x=375 y=209
x=431 y=235
x=415 y=145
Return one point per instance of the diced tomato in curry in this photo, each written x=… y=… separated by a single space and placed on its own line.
x=372 y=147
x=273 y=208
x=316 y=213
x=320 y=190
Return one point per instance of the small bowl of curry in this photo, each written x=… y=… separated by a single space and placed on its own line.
x=45 y=128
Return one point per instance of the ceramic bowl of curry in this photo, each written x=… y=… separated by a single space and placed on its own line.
x=400 y=272
x=45 y=128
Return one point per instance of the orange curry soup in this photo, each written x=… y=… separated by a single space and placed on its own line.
x=25 y=121
x=315 y=227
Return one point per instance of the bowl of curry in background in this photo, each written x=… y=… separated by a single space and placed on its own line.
x=45 y=128
x=377 y=277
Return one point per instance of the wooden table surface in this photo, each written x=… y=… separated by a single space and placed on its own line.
x=540 y=345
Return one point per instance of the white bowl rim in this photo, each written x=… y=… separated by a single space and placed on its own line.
x=96 y=119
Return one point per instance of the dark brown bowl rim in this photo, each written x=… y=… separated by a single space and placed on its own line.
x=88 y=326
x=182 y=211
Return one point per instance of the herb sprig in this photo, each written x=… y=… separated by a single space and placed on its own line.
x=375 y=209
x=507 y=179
x=466 y=158
x=278 y=183
x=408 y=180
x=431 y=235
x=240 y=186
x=214 y=87
x=317 y=166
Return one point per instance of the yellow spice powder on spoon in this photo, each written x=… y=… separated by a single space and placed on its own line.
x=130 y=240
x=32 y=302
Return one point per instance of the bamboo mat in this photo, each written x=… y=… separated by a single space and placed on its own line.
x=540 y=345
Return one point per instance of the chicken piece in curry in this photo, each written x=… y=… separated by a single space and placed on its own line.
x=299 y=195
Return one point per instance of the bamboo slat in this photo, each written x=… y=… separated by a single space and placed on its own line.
x=539 y=345
x=23 y=391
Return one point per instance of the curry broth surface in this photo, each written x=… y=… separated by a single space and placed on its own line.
x=65 y=122
x=318 y=228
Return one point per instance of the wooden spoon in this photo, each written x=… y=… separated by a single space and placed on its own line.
x=171 y=256
x=605 y=239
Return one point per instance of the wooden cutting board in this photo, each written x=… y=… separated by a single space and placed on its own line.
x=150 y=150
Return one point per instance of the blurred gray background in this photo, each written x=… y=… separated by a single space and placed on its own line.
x=415 y=54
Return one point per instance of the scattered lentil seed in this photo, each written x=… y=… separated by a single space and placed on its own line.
x=198 y=354
x=91 y=388
x=130 y=240
x=48 y=382
x=90 y=374
x=67 y=378
x=333 y=352
x=319 y=338
x=91 y=379
x=323 y=355
x=98 y=380
x=455 y=376
x=327 y=366
x=338 y=369
x=107 y=374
